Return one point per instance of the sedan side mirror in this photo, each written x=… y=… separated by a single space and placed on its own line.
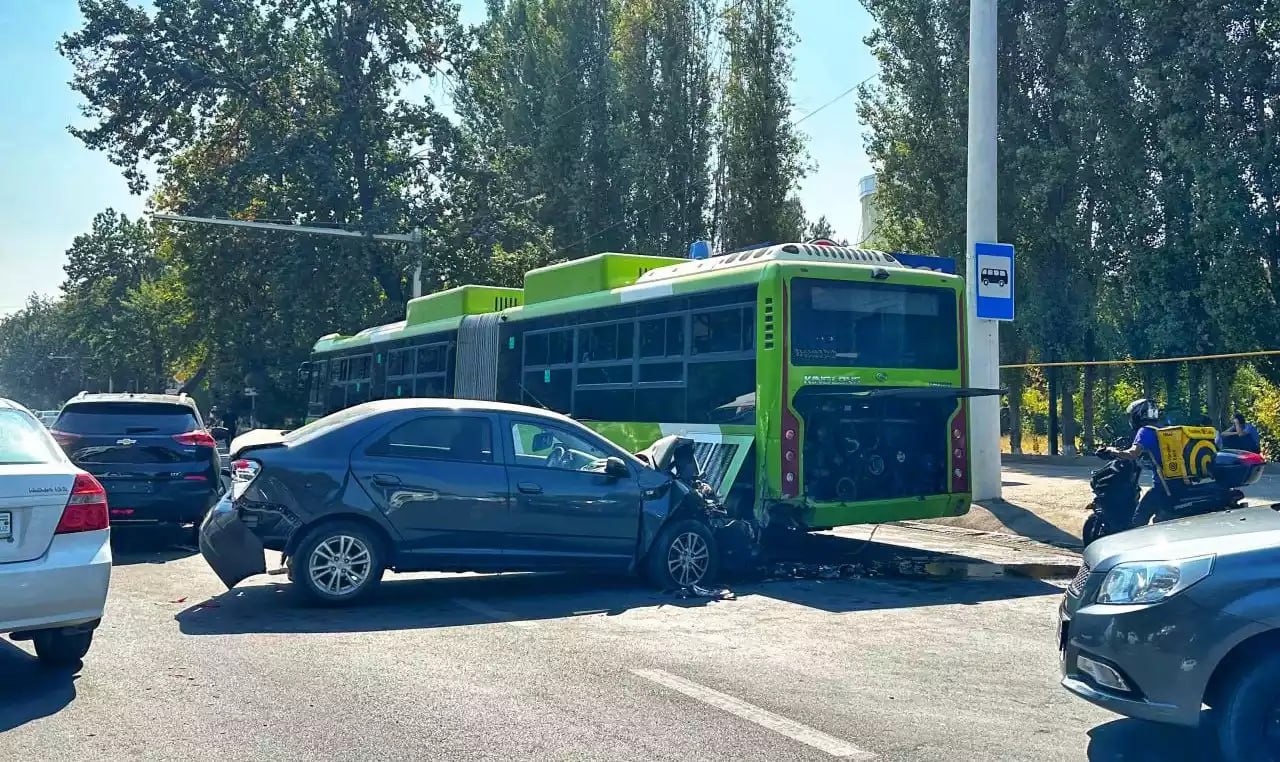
x=614 y=467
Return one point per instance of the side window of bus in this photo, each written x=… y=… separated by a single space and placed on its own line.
x=319 y=381
x=722 y=392
x=360 y=379
x=547 y=376
x=337 y=389
x=729 y=330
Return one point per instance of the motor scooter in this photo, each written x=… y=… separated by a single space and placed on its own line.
x=1115 y=504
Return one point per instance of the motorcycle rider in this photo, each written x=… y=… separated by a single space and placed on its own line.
x=1143 y=417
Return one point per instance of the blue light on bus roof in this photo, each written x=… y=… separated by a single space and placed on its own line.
x=700 y=250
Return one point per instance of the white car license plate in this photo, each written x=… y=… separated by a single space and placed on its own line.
x=6 y=525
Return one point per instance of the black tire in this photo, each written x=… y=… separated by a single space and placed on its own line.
x=318 y=586
x=672 y=543
x=60 y=648
x=1249 y=719
x=1093 y=528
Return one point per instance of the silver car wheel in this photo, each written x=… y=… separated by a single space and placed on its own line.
x=688 y=558
x=340 y=565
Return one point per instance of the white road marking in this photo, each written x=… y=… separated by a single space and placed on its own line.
x=495 y=615
x=790 y=728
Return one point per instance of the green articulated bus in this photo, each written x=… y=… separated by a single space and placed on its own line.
x=823 y=385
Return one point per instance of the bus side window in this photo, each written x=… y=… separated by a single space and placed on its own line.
x=337 y=390
x=730 y=330
x=714 y=385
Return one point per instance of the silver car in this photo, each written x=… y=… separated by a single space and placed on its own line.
x=55 y=542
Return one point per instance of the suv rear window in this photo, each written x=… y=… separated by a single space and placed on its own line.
x=23 y=441
x=89 y=418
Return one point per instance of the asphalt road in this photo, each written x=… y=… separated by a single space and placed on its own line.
x=565 y=667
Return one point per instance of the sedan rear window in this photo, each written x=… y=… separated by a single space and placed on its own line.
x=23 y=441
x=112 y=418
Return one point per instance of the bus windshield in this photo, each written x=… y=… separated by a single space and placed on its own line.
x=873 y=325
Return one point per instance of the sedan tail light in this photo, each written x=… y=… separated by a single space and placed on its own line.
x=243 y=472
x=86 y=508
x=195 y=439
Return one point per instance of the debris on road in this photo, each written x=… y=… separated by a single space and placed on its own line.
x=799 y=570
x=694 y=591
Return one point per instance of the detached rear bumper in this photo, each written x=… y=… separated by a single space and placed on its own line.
x=229 y=547
x=65 y=587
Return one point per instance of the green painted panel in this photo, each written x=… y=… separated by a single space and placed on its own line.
x=881 y=511
x=631 y=437
x=463 y=300
x=601 y=272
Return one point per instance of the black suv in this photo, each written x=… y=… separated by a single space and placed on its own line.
x=151 y=452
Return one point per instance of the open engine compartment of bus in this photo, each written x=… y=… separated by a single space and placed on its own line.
x=873 y=448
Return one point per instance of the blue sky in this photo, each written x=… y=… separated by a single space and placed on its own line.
x=51 y=185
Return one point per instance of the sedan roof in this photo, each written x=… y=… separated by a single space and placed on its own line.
x=461 y=404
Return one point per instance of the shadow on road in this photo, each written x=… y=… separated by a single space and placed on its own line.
x=405 y=603
x=150 y=545
x=29 y=691
x=1138 y=741
x=414 y=602
x=1025 y=522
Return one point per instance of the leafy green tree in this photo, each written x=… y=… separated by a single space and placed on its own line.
x=40 y=363
x=277 y=109
x=296 y=107
x=665 y=101
x=761 y=155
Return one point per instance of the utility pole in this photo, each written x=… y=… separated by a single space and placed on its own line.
x=980 y=225
x=414 y=238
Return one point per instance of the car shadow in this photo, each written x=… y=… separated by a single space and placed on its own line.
x=1128 y=740
x=881 y=578
x=414 y=602
x=150 y=545
x=29 y=691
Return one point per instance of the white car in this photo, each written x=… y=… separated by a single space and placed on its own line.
x=55 y=542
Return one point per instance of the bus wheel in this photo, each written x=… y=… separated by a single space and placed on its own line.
x=684 y=555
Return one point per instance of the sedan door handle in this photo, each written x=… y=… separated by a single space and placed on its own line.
x=529 y=488
x=386 y=480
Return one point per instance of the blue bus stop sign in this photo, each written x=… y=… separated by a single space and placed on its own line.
x=926 y=262
x=994 y=280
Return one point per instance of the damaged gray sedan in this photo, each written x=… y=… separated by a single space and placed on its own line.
x=459 y=485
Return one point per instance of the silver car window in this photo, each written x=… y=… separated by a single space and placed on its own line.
x=24 y=441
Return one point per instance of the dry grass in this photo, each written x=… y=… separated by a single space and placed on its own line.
x=1032 y=444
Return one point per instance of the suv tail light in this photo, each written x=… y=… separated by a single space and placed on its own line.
x=195 y=439
x=63 y=438
x=243 y=472
x=86 y=508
